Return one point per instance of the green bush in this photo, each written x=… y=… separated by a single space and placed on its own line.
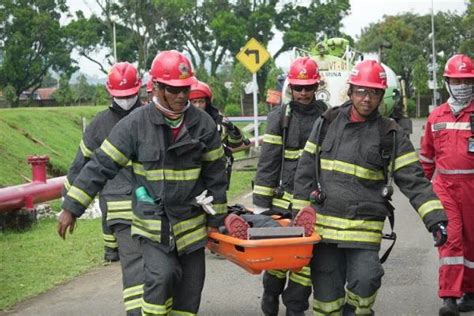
x=232 y=109
x=411 y=108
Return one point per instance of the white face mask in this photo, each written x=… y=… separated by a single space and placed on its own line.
x=126 y=103
x=459 y=96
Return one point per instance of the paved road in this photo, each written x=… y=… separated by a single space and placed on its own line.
x=409 y=286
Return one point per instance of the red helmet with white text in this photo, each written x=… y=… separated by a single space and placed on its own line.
x=172 y=68
x=459 y=66
x=149 y=86
x=303 y=71
x=123 y=80
x=368 y=73
x=200 y=90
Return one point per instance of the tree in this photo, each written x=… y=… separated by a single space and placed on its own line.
x=29 y=50
x=420 y=75
x=82 y=91
x=63 y=95
x=467 y=46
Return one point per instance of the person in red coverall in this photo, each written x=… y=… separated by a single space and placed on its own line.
x=447 y=156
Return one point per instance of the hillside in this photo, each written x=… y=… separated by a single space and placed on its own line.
x=55 y=132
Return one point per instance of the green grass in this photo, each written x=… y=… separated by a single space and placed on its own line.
x=35 y=260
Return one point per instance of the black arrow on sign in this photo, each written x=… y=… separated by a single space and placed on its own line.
x=248 y=52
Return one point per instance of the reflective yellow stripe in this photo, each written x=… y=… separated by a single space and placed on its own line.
x=79 y=195
x=149 y=228
x=191 y=238
x=284 y=204
x=260 y=189
x=113 y=245
x=133 y=291
x=347 y=235
x=155 y=309
x=428 y=207
x=310 y=147
x=180 y=313
x=189 y=224
x=328 y=308
x=233 y=140
x=114 y=153
x=126 y=215
x=299 y=204
x=168 y=174
x=272 y=139
x=67 y=185
x=302 y=280
x=119 y=205
x=220 y=208
x=363 y=304
x=133 y=304
x=109 y=237
x=348 y=168
x=281 y=274
x=293 y=154
x=405 y=160
x=287 y=196
x=352 y=224
x=213 y=155
x=86 y=152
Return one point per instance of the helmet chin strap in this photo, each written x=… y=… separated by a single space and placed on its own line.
x=167 y=110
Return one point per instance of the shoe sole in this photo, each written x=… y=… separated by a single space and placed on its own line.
x=306 y=218
x=236 y=226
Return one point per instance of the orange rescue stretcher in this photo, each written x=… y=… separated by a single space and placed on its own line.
x=265 y=254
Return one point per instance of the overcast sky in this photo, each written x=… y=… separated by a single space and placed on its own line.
x=363 y=12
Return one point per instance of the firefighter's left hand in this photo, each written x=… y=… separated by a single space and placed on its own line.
x=66 y=220
x=440 y=233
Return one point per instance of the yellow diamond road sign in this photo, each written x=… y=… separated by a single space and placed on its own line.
x=253 y=55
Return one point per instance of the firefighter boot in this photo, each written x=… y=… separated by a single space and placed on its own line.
x=306 y=218
x=449 y=308
x=111 y=254
x=236 y=226
x=466 y=304
x=270 y=304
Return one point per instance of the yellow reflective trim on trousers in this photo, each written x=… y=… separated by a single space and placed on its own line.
x=405 y=160
x=86 y=152
x=363 y=305
x=311 y=147
x=301 y=279
x=213 y=155
x=133 y=304
x=191 y=238
x=109 y=237
x=155 y=309
x=280 y=274
x=180 y=313
x=293 y=154
x=114 y=153
x=348 y=236
x=328 y=308
x=119 y=205
x=281 y=203
x=299 y=204
x=354 y=170
x=127 y=215
x=67 y=185
x=79 y=195
x=148 y=228
x=132 y=291
x=220 y=208
x=189 y=224
x=272 y=139
x=109 y=244
x=428 y=207
x=354 y=224
x=168 y=174
x=260 y=189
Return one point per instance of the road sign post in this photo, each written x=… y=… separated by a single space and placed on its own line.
x=253 y=55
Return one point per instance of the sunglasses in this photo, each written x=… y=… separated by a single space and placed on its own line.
x=177 y=90
x=362 y=92
x=299 y=88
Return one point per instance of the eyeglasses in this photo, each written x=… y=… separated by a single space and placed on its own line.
x=362 y=92
x=299 y=88
x=177 y=90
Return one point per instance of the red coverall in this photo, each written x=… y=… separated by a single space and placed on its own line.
x=445 y=158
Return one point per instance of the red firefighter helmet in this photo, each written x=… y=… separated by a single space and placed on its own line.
x=303 y=71
x=172 y=68
x=200 y=90
x=149 y=86
x=459 y=66
x=368 y=73
x=123 y=80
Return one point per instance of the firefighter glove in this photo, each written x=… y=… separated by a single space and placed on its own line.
x=440 y=233
x=206 y=202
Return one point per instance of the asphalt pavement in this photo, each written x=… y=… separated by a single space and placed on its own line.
x=409 y=285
